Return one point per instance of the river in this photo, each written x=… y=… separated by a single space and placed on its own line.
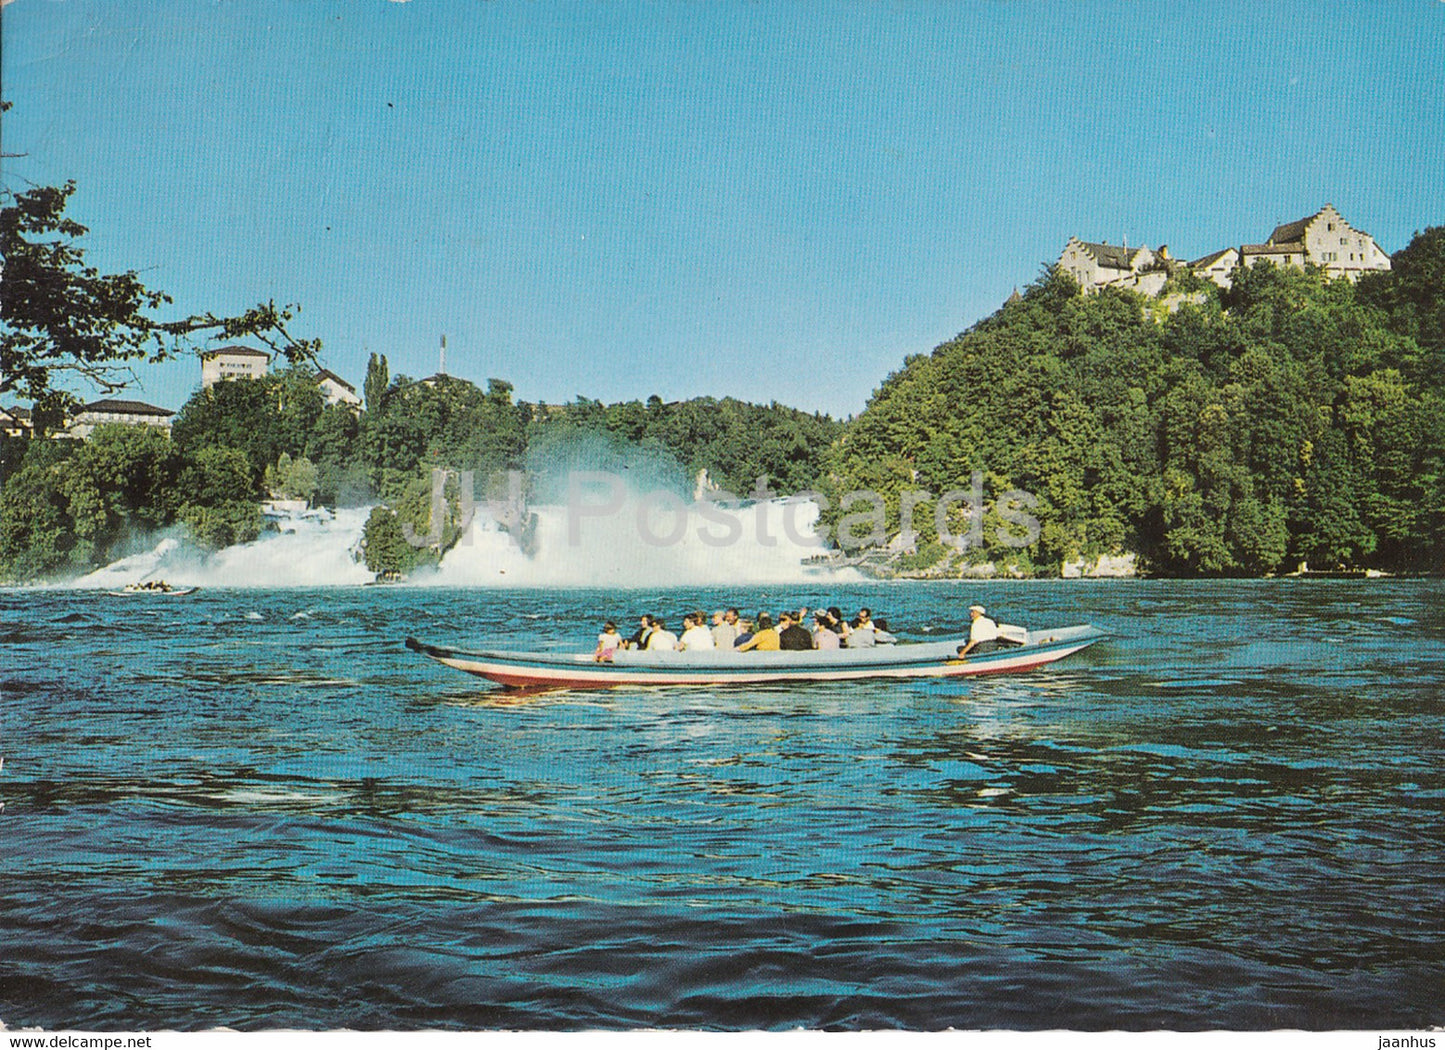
x=254 y=808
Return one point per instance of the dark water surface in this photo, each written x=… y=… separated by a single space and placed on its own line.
x=256 y=809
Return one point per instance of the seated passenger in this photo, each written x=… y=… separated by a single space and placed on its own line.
x=695 y=635
x=881 y=633
x=608 y=642
x=764 y=639
x=660 y=638
x=792 y=636
x=745 y=633
x=862 y=635
x=638 y=640
x=824 y=637
x=982 y=633
x=725 y=628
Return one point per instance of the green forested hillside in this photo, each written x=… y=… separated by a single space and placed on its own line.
x=1291 y=418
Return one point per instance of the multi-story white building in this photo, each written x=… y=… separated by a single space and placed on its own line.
x=1096 y=266
x=1323 y=239
x=133 y=413
x=232 y=362
x=336 y=390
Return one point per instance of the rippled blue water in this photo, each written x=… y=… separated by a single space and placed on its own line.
x=256 y=809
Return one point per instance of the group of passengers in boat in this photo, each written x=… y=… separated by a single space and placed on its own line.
x=790 y=630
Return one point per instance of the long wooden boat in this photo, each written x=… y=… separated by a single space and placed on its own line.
x=632 y=667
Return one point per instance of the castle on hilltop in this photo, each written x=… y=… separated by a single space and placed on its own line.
x=1323 y=239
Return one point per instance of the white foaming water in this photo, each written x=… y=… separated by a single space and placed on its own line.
x=643 y=544
x=308 y=551
x=135 y=567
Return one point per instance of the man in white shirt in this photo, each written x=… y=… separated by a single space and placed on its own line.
x=725 y=629
x=982 y=633
x=862 y=636
x=696 y=636
x=661 y=637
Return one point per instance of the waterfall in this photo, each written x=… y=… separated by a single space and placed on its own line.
x=646 y=542
x=305 y=550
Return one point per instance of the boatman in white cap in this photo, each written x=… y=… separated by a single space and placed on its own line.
x=982 y=633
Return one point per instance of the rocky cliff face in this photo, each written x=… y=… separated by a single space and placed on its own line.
x=1102 y=567
x=889 y=563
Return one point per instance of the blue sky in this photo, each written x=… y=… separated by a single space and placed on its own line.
x=774 y=201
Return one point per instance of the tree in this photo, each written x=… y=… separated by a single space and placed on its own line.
x=384 y=544
x=240 y=415
x=299 y=404
x=378 y=378
x=292 y=478
x=36 y=531
x=221 y=498
x=73 y=504
x=63 y=321
x=262 y=417
x=334 y=446
x=1413 y=290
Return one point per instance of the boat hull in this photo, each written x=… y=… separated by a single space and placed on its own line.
x=631 y=668
x=175 y=592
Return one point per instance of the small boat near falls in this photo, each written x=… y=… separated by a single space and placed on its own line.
x=163 y=590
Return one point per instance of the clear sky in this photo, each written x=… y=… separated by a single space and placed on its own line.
x=776 y=200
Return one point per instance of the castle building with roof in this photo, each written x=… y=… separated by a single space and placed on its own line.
x=1099 y=265
x=1323 y=239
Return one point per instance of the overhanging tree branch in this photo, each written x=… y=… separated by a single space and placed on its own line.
x=59 y=316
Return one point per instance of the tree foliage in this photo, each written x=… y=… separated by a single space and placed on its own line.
x=65 y=325
x=1292 y=418
x=265 y=418
x=734 y=442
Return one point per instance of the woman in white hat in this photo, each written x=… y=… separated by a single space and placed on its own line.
x=982 y=633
